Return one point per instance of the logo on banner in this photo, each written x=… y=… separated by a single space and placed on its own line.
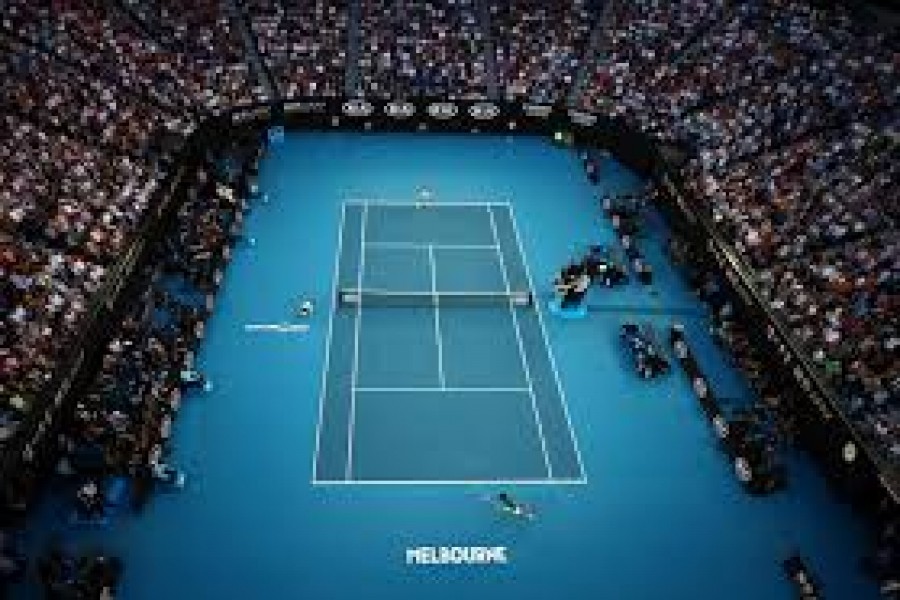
x=540 y=111
x=305 y=107
x=484 y=111
x=400 y=110
x=443 y=110
x=582 y=118
x=358 y=108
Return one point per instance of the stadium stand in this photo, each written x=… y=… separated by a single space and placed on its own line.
x=787 y=115
x=206 y=34
x=431 y=49
x=304 y=44
x=539 y=47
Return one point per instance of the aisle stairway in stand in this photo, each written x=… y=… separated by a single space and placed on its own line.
x=494 y=86
x=595 y=50
x=352 y=83
x=240 y=18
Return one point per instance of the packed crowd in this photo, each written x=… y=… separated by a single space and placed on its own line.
x=113 y=452
x=539 y=47
x=728 y=79
x=644 y=42
x=102 y=40
x=303 y=44
x=788 y=115
x=206 y=37
x=733 y=331
x=125 y=47
x=56 y=95
x=95 y=94
x=817 y=221
x=80 y=164
x=432 y=49
x=124 y=420
x=67 y=211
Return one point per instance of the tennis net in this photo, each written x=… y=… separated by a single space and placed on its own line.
x=387 y=298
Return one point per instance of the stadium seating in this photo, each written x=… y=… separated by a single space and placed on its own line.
x=410 y=49
x=207 y=36
x=539 y=47
x=787 y=115
x=303 y=44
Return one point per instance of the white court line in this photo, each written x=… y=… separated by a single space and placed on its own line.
x=277 y=327
x=325 y=367
x=515 y=319
x=509 y=294
x=351 y=421
x=375 y=202
x=504 y=482
x=540 y=314
x=416 y=390
x=438 y=339
x=414 y=246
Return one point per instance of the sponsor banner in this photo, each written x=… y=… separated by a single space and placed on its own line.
x=539 y=111
x=484 y=111
x=400 y=110
x=261 y=112
x=358 y=108
x=582 y=118
x=246 y=114
x=306 y=108
x=443 y=110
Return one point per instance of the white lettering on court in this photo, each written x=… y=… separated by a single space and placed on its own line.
x=457 y=555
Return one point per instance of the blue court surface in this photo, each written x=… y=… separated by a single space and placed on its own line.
x=431 y=361
x=438 y=366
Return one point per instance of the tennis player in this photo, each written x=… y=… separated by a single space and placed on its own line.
x=425 y=197
x=572 y=286
x=507 y=504
x=305 y=308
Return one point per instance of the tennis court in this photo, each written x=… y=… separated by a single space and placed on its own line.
x=251 y=524
x=438 y=367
